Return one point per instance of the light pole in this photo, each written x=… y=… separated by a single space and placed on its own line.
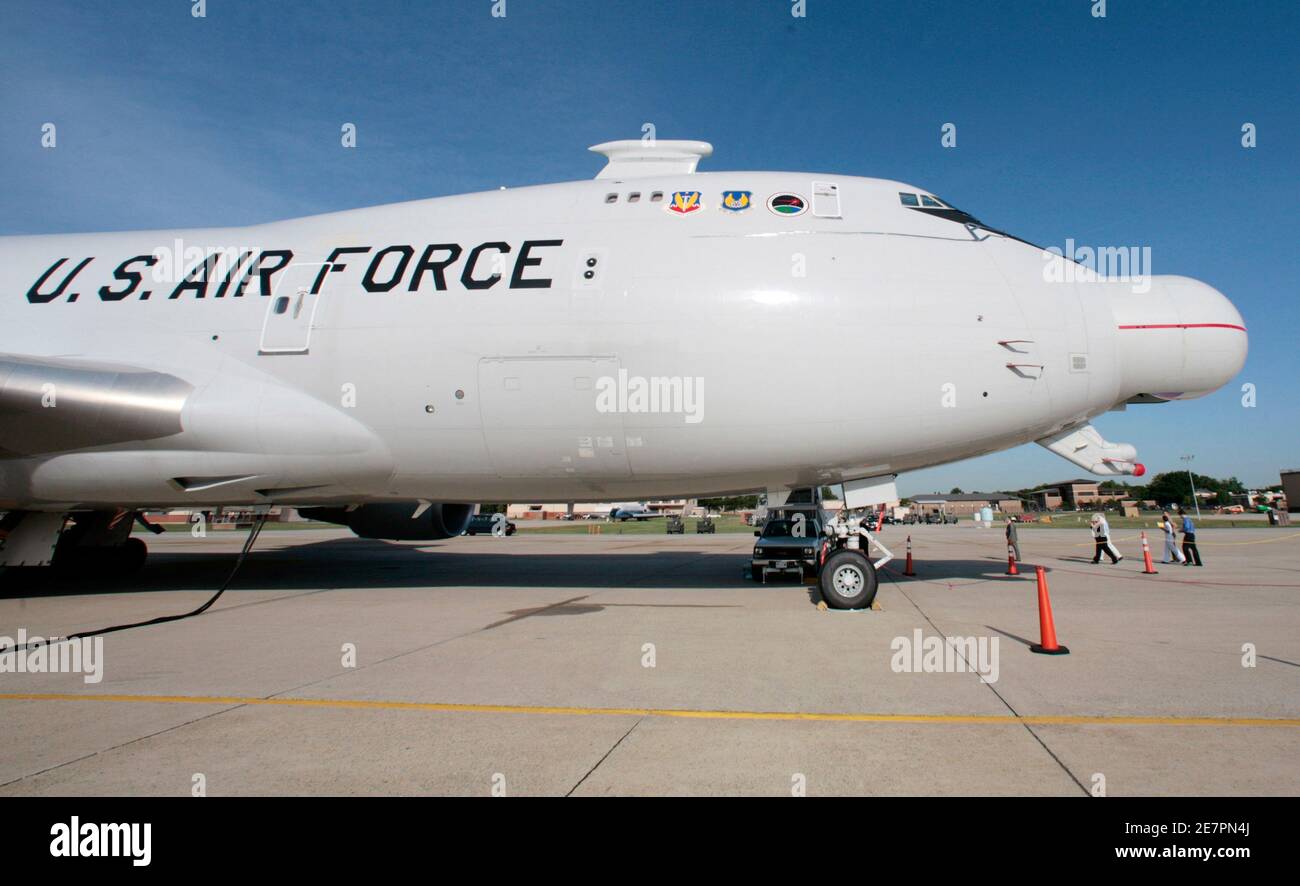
x=1196 y=501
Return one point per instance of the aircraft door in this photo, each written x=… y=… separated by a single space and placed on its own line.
x=542 y=417
x=286 y=328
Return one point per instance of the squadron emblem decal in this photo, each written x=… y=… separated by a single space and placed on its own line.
x=787 y=204
x=684 y=202
x=737 y=201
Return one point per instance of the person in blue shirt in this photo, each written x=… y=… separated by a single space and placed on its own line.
x=1189 y=541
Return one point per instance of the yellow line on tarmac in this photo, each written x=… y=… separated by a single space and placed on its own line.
x=361 y=704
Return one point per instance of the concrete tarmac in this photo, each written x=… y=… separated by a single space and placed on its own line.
x=647 y=664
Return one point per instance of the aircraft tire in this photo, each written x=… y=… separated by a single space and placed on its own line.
x=848 y=581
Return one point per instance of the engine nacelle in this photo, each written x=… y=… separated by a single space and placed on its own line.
x=398 y=521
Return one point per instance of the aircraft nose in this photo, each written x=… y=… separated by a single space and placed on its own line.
x=1184 y=339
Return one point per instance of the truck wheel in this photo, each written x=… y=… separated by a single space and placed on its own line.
x=848 y=580
x=756 y=573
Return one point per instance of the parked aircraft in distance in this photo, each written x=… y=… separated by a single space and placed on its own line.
x=633 y=513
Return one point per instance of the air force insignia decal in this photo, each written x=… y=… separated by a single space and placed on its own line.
x=684 y=202
x=737 y=201
x=787 y=204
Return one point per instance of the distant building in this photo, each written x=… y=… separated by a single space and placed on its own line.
x=1291 y=488
x=966 y=503
x=1077 y=494
x=1048 y=499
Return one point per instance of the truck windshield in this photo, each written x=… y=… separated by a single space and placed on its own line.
x=787 y=528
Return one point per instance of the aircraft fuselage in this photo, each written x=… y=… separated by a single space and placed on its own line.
x=565 y=342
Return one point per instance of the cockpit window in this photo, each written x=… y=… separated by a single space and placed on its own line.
x=933 y=206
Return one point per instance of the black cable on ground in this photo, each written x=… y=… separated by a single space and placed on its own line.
x=162 y=619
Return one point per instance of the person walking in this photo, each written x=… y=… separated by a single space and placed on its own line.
x=1172 y=554
x=1101 y=535
x=1190 y=554
x=1012 y=539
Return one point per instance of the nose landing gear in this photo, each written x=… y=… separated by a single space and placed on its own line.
x=847 y=577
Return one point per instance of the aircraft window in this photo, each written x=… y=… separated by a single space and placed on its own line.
x=909 y=199
x=930 y=201
x=634 y=197
x=282 y=304
x=611 y=198
x=656 y=196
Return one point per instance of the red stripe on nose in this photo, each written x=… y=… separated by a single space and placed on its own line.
x=1185 y=326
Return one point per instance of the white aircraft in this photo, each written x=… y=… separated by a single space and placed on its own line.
x=385 y=368
x=637 y=512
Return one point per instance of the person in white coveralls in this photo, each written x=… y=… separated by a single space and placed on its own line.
x=1172 y=554
x=1101 y=535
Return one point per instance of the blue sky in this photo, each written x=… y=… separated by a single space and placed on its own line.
x=1124 y=130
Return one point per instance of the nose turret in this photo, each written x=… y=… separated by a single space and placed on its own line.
x=1183 y=339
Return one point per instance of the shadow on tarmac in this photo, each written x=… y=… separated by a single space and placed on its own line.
x=361 y=563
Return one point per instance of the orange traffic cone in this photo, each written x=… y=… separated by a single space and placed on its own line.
x=1011 y=560
x=1146 y=557
x=907 y=567
x=1046 y=627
